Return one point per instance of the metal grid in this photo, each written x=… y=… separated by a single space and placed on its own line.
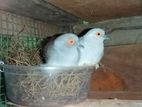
x=13 y=24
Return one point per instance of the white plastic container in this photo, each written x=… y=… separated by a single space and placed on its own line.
x=35 y=86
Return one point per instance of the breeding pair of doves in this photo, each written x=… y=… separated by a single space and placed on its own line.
x=69 y=50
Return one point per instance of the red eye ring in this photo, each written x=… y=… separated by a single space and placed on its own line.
x=98 y=34
x=71 y=41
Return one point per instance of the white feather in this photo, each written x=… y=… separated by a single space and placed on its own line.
x=60 y=53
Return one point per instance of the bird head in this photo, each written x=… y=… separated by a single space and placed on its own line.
x=97 y=34
x=67 y=40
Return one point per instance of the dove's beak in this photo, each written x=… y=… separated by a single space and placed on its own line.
x=106 y=37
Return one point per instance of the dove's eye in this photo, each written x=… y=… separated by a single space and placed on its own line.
x=98 y=33
x=71 y=41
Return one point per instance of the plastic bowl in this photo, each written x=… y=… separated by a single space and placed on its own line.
x=37 y=86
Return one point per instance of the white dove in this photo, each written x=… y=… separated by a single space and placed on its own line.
x=93 y=47
x=63 y=51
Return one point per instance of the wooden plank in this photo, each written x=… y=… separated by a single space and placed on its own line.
x=38 y=9
x=105 y=103
x=116 y=94
x=127 y=62
x=128 y=23
x=96 y=10
x=122 y=31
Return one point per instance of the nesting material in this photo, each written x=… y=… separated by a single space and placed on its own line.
x=29 y=57
x=19 y=54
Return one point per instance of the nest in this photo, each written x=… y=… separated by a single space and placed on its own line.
x=38 y=87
